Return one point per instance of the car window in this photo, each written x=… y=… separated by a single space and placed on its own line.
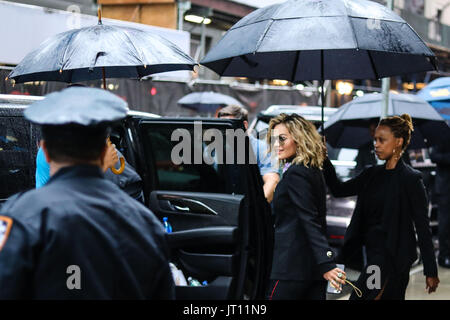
x=16 y=156
x=261 y=126
x=216 y=177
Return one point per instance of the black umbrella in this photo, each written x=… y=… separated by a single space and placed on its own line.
x=98 y=52
x=320 y=39
x=101 y=52
x=348 y=127
x=208 y=101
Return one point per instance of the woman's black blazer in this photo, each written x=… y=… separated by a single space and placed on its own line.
x=405 y=212
x=301 y=250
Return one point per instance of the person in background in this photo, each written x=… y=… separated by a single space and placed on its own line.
x=391 y=207
x=129 y=180
x=42 y=169
x=269 y=173
x=303 y=261
x=441 y=156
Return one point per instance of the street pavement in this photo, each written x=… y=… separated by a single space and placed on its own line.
x=416 y=286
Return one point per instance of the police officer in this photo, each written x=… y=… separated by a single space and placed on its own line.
x=80 y=236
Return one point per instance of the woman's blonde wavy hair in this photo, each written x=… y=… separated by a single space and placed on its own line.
x=310 y=146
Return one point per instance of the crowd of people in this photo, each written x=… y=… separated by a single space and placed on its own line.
x=74 y=210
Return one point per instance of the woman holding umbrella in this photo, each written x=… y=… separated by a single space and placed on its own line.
x=302 y=258
x=391 y=202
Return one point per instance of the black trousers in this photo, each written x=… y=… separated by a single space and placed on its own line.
x=444 y=225
x=392 y=285
x=297 y=290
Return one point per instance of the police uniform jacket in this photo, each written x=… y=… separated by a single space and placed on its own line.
x=81 y=225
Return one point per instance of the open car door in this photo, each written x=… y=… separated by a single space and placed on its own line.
x=222 y=229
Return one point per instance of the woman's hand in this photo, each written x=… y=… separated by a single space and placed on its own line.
x=110 y=159
x=336 y=277
x=431 y=284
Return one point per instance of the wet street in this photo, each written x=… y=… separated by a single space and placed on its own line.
x=416 y=286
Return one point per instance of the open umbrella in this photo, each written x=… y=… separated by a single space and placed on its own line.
x=320 y=39
x=100 y=52
x=348 y=127
x=437 y=93
x=208 y=101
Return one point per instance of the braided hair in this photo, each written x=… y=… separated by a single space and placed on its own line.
x=401 y=127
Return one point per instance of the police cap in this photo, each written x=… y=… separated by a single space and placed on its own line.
x=77 y=105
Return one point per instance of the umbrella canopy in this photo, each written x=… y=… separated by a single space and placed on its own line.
x=349 y=126
x=98 y=52
x=437 y=93
x=320 y=39
x=208 y=101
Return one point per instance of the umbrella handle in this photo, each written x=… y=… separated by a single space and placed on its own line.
x=99 y=15
x=122 y=167
x=122 y=164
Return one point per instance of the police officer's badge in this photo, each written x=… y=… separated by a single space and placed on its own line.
x=5 y=228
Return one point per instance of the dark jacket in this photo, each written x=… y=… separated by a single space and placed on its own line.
x=129 y=181
x=404 y=209
x=365 y=158
x=301 y=250
x=441 y=156
x=80 y=219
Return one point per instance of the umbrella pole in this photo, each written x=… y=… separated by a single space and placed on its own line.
x=322 y=98
x=104 y=78
x=322 y=94
x=122 y=159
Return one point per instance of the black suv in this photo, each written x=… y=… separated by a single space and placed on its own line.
x=222 y=229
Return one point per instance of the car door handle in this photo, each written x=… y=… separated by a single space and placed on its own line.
x=184 y=204
x=180 y=208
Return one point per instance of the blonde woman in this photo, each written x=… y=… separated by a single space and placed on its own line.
x=302 y=259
